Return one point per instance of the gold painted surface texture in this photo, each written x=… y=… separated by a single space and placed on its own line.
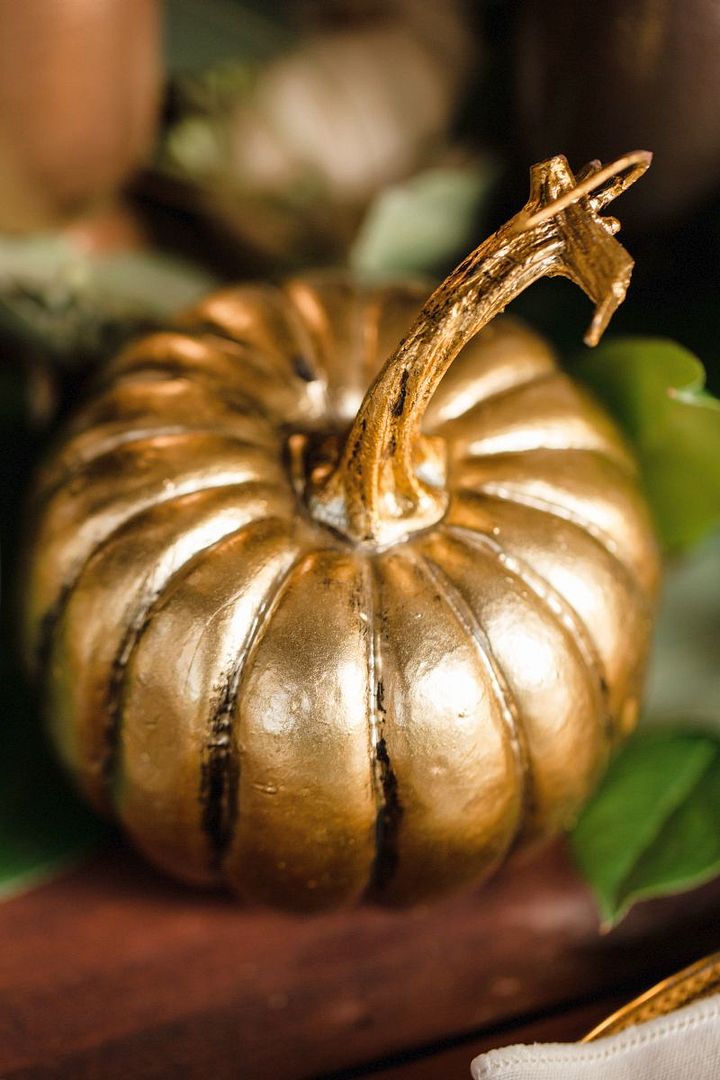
x=319 y=670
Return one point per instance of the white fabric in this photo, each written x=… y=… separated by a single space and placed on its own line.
x=685 y=1045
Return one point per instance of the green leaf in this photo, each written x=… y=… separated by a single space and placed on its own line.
x=62 y=303
x=422 y=225
x=144 y=279
x=150 y=281
x=655 y=390
x=687 y=853
x=653 y=827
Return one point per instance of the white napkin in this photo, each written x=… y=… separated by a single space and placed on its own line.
x=685 y=1045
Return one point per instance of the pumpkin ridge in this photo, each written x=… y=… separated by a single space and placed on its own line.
x=626 y=466
x=41 y=650
x=245 y=354
x=485 y=378
x=542 y=506
x=169 y=368
x=492 y=398
x=167 y=351
x=137 y=379
x=171 y=538
x=307 y=348
x=75 y=470
x=553 y=601
x=264 y=303
x=389 y=808
x=509 y=708
x=131 y=438
x=166 y=368
x=310 y=336
x=244 y=402
x=52 y=613
x=264 y=362
x=564 y=401
x=219 y=338
x=219 y=770
x=303 y=294
x=146 y=609
x=149 y=400
x=298 y=292
x=218 y=821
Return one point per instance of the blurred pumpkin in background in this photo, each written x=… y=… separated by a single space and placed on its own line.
x=80 y=86
x=289 y=152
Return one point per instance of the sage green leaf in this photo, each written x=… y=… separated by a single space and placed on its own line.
x=60 y=302
x=422 y=225
x=653 y=827
x=144 y=279
x=151 y=281
x=655 y=390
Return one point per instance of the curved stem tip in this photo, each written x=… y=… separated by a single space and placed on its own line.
x=390 y=479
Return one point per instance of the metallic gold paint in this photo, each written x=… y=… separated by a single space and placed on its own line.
x=315 y=710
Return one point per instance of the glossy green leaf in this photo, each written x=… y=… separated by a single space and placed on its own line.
x=655 y=389
x=653 y=827
x=421 y=226
x=687 y=852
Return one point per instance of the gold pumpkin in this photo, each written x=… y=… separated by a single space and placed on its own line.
x=297 y=646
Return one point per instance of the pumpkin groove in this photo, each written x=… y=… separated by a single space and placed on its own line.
x=470 y=624
x=388 y=811
x=556 y=604
x=220 y=773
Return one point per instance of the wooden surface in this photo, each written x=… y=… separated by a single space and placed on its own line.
x=113 y=972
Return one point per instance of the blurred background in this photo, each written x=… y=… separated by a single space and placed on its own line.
x=152 y=151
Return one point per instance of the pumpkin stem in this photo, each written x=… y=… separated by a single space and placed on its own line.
x=390 y=480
